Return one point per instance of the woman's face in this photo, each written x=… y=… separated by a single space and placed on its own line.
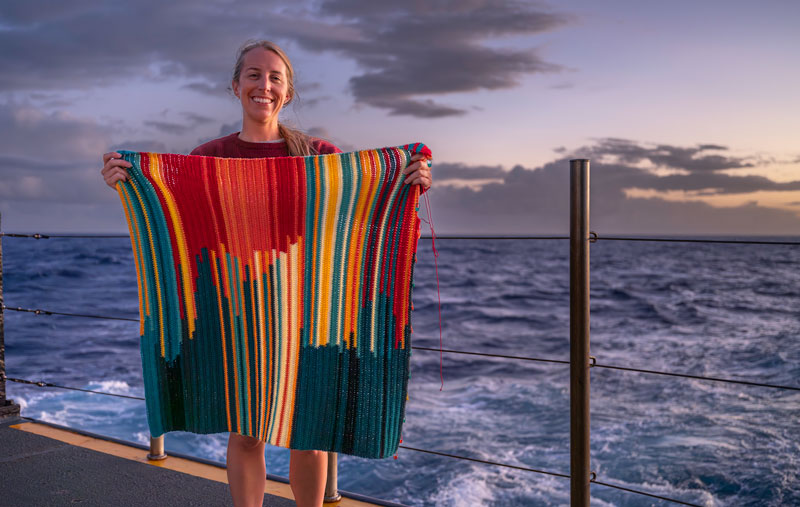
x=262 y=87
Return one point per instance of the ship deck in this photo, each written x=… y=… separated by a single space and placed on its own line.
x=44 y=464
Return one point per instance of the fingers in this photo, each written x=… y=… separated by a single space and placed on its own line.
x=419 y=174
x=420 y=164
x=419 y=156
x=114 y=159
x=114 y=176
x=420 y=179
x=108 y=156
x=114 y=168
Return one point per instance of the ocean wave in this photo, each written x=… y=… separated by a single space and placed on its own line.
x=707 y=310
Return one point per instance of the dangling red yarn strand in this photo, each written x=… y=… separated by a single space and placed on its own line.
x=436 y=264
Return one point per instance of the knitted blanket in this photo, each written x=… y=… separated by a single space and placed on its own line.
x=275 y=295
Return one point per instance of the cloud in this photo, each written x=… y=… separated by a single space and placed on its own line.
x=699 y=171
x=408 y=51
x=56 y=136
x=197 y=119
x=90 y=43
x=207 y=88
x=22 y=163
x=529 y=201
x=50 y=159
x=143 y=145
x=168 y=127
x=57 y=185
x=50 y=177
x=455 y=171
x=692 y=159
x=418 y=108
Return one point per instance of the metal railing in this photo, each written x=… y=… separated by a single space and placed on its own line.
x=581 y=362
x=7 y=407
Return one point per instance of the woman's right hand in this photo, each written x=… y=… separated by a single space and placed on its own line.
x=114 y=169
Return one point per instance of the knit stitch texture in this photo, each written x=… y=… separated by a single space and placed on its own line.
x=275 y=295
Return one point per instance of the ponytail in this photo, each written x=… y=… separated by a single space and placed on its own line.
x=298 y=143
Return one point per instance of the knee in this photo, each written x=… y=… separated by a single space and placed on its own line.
x=245 y=443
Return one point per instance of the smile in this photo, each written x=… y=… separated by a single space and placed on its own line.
x=262 y=100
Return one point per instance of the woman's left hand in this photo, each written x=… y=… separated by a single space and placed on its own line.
x=419 y=171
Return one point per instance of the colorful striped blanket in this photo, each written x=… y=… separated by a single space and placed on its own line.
x=275 y=295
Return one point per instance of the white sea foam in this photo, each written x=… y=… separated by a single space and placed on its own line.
x=143 y=437
x=111 y=386
x=58 y=417
x=211 y=448
x=22 y=402
x=465 y=489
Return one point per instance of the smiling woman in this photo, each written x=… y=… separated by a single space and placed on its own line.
x=263 y=89
x=263 y=81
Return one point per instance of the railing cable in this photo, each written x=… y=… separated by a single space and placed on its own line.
x=48 y=384
x=559 y=361
x=526 y=469
x=484 y=354
x=686 y=240
x=496 y=237
x=594 y=238
x=698 y=377
x=643 y=493
x=595 y=365
x=48 y=236
x=48 y=312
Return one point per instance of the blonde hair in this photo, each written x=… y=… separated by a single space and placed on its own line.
x=297 y=142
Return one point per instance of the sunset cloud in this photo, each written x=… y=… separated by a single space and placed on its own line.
x=693 y=159
x=490 y=85
x=412 y=50
x=536 y=200
x=48 y=157
x=407 y=52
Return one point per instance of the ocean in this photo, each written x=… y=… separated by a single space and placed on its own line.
x=719 y=310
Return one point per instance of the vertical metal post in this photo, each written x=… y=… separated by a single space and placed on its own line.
x=331 y=487
x=156 y=449
x=579 y=332
x=7 y=407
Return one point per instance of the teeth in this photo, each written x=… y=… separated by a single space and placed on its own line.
x=262 y=100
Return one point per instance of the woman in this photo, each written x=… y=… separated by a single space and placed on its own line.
x=263 y=81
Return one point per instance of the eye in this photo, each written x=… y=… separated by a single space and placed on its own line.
x=276 y=78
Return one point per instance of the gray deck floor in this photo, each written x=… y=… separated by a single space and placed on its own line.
x=39 y=471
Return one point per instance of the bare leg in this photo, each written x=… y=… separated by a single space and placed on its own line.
x=247 y=470
x=308 y=471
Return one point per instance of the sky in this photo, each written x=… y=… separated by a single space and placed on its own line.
x=688 y=111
